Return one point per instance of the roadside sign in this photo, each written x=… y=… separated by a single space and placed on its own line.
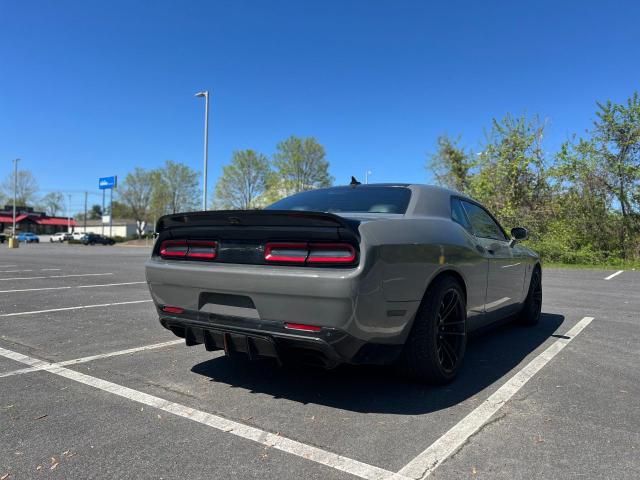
x=107 y=183
x=106 y=219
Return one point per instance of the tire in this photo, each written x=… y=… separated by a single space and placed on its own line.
x=434 y=351
x=532 y=308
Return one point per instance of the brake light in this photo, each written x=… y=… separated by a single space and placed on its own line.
x=202 y=250
x=331 y=253
x=286 y=252
x=190 y=249
x=303 y=327
x=310 y=253
x=174 y=249
x=172 y=309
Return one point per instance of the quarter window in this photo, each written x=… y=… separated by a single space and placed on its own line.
x=458 y=215
x=483 y=225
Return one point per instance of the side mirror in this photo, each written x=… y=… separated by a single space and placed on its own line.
x=519 y=234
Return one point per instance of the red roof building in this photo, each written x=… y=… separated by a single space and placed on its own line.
x=37 y=222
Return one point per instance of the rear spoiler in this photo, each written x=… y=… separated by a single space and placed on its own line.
x=254 y=218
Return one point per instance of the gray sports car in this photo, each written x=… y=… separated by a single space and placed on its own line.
x=376 y=274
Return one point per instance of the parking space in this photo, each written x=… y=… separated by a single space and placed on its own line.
x=122 y=396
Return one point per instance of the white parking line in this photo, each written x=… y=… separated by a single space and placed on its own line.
x=91 y=358
x=58 y=276
x=7 y=266
x=15 y=271
x=614 y=275
x=67 y=288
x=262 y=437
x=424 y=464
x=49 y=269
x=81 y=307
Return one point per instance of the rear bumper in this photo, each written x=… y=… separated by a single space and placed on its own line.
x=235 y=335
x=349 y=300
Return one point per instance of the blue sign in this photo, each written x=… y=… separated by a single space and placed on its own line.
x=106 y=183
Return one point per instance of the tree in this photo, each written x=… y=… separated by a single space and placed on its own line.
x=135 y=192
x=175 y=189
x=301 y=165
x=120 y=210
x=511 y=176
x=243 y=181
x=616 y=137
x=451 y=165
x=26 y=187
x=53 y=203
x=95 y=213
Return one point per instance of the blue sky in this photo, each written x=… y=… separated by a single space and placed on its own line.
x=94 y=88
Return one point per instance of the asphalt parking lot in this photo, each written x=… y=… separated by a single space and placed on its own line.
x=91 y=386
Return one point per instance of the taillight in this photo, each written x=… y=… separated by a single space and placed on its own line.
x=202 y=250
x=190 y=249
x=331 y=253
x=286 y=252
x=174 y=249
x=310 y=253
x=302 y=326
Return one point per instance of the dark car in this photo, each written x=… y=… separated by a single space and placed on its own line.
x=356 y=274
x=94 y=238
x=3 y=237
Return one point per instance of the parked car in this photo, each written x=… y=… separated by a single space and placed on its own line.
x=93 y=238
x=28 y=237
x=3 y=237
x=376 y=274
x=78 y=235
x=60 y=237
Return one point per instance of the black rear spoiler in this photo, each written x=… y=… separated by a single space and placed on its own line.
x=254 y=218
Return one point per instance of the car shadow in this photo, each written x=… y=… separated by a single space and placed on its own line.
x=371 y=389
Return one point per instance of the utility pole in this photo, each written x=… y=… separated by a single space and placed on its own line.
x=68 y=212
x=205 y=94
x=366 y=176
x=102 y=213
x=110 y=211
x=15 y=193
x=85 y=211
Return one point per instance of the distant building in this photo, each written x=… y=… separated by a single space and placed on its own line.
x=120 y=228
x=28 y=220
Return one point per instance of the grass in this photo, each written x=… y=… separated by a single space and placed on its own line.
x=594 y=266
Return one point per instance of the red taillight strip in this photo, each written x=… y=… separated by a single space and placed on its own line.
x=202 y=249
x=193 y=249
x=172 y=309
x=303 y=327
x=174 y=249
x=286 y=252
x=331 y=253
x=310 y=253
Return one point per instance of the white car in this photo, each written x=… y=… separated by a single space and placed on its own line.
x=60 y=237
x=77 y=235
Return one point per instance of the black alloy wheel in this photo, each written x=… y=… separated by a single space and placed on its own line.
x=434 y=350
x=450 y=341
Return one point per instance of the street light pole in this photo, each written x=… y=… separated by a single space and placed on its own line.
x=68 y=212
x=15 y=193
x=205 y=94
x=366 y=176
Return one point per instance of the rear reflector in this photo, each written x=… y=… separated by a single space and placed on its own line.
x=310 y=253
x=190 y=249
x=172 y=309
x=303 y=327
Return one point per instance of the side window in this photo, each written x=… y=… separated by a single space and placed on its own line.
x=483 y=225
x=458 y=215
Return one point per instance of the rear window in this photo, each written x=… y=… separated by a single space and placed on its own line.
x=362 y=199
